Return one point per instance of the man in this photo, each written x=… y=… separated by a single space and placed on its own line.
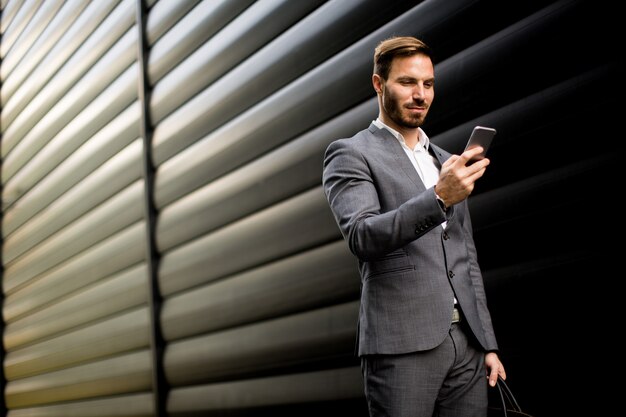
x=425 y=337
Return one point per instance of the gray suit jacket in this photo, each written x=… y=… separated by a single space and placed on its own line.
x=411 y=268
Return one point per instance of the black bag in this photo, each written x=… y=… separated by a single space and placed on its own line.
x=509 y=406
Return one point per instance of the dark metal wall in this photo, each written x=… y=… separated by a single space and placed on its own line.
x=166 y=245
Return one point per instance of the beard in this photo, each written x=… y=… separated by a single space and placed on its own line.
x=395 y=111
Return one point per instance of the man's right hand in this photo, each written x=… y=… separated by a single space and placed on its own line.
x=456 y=179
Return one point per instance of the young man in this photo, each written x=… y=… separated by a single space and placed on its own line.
x=425 y=337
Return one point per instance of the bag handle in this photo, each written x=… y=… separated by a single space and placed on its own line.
x=506 y=396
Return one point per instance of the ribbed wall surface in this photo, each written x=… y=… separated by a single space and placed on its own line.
x=260 y=294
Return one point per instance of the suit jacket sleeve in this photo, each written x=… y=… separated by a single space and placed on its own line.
x=353 y=194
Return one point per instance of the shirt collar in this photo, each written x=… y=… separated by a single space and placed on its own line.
x=423 y=138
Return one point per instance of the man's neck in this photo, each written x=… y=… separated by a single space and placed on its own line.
x=410 y=135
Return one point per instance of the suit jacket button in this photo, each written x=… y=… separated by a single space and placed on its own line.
x=446 y=236
x=451 y=274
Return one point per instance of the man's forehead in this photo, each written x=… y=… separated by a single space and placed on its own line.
x=410 y=66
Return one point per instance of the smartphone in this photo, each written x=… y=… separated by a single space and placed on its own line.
x=480 y=136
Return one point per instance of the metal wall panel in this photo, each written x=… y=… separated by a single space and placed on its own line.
x=256 y=292
x=31 y=32
x=86 y=177
x=264 y=292
x=73 y=229
x=18 y=22
x=118 y=293
x=21 y=86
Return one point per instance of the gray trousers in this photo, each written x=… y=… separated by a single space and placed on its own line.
x=448 y=381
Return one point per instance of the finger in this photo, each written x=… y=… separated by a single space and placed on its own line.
x=478 y=165
x=450 y=161
x=493 y=377
x=472 y=178
x=470 y=153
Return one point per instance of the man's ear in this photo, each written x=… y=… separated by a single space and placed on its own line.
x=377 y=82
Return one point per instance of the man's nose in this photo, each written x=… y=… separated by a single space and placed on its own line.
x=418 y=92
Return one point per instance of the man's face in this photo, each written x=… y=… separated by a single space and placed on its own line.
x=409 y=91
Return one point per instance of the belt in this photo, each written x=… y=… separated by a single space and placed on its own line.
x=456 y=315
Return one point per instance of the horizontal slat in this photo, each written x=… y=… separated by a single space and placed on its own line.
x=27 y=38
x=301 y=338
x=164 y=15
x=114 y=99
x=50 y=37
x=12 y=32
x=17 y=93
x=121 y=251
x=137 y=405
x=87 y=178
x=242 y=37
x=317 y=386
x=202 y=22
x=114 y=215
x=120 y=292
x=307 y=280
x=121 y=333
x=294 y=225
x=9 y=11
x=119 y=375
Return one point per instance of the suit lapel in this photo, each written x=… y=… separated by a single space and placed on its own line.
x=437 y=153
x=401 y=158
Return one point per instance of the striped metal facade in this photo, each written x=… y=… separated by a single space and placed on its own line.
x=167 y=249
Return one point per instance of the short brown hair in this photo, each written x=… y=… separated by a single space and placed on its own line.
x=391 y=48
